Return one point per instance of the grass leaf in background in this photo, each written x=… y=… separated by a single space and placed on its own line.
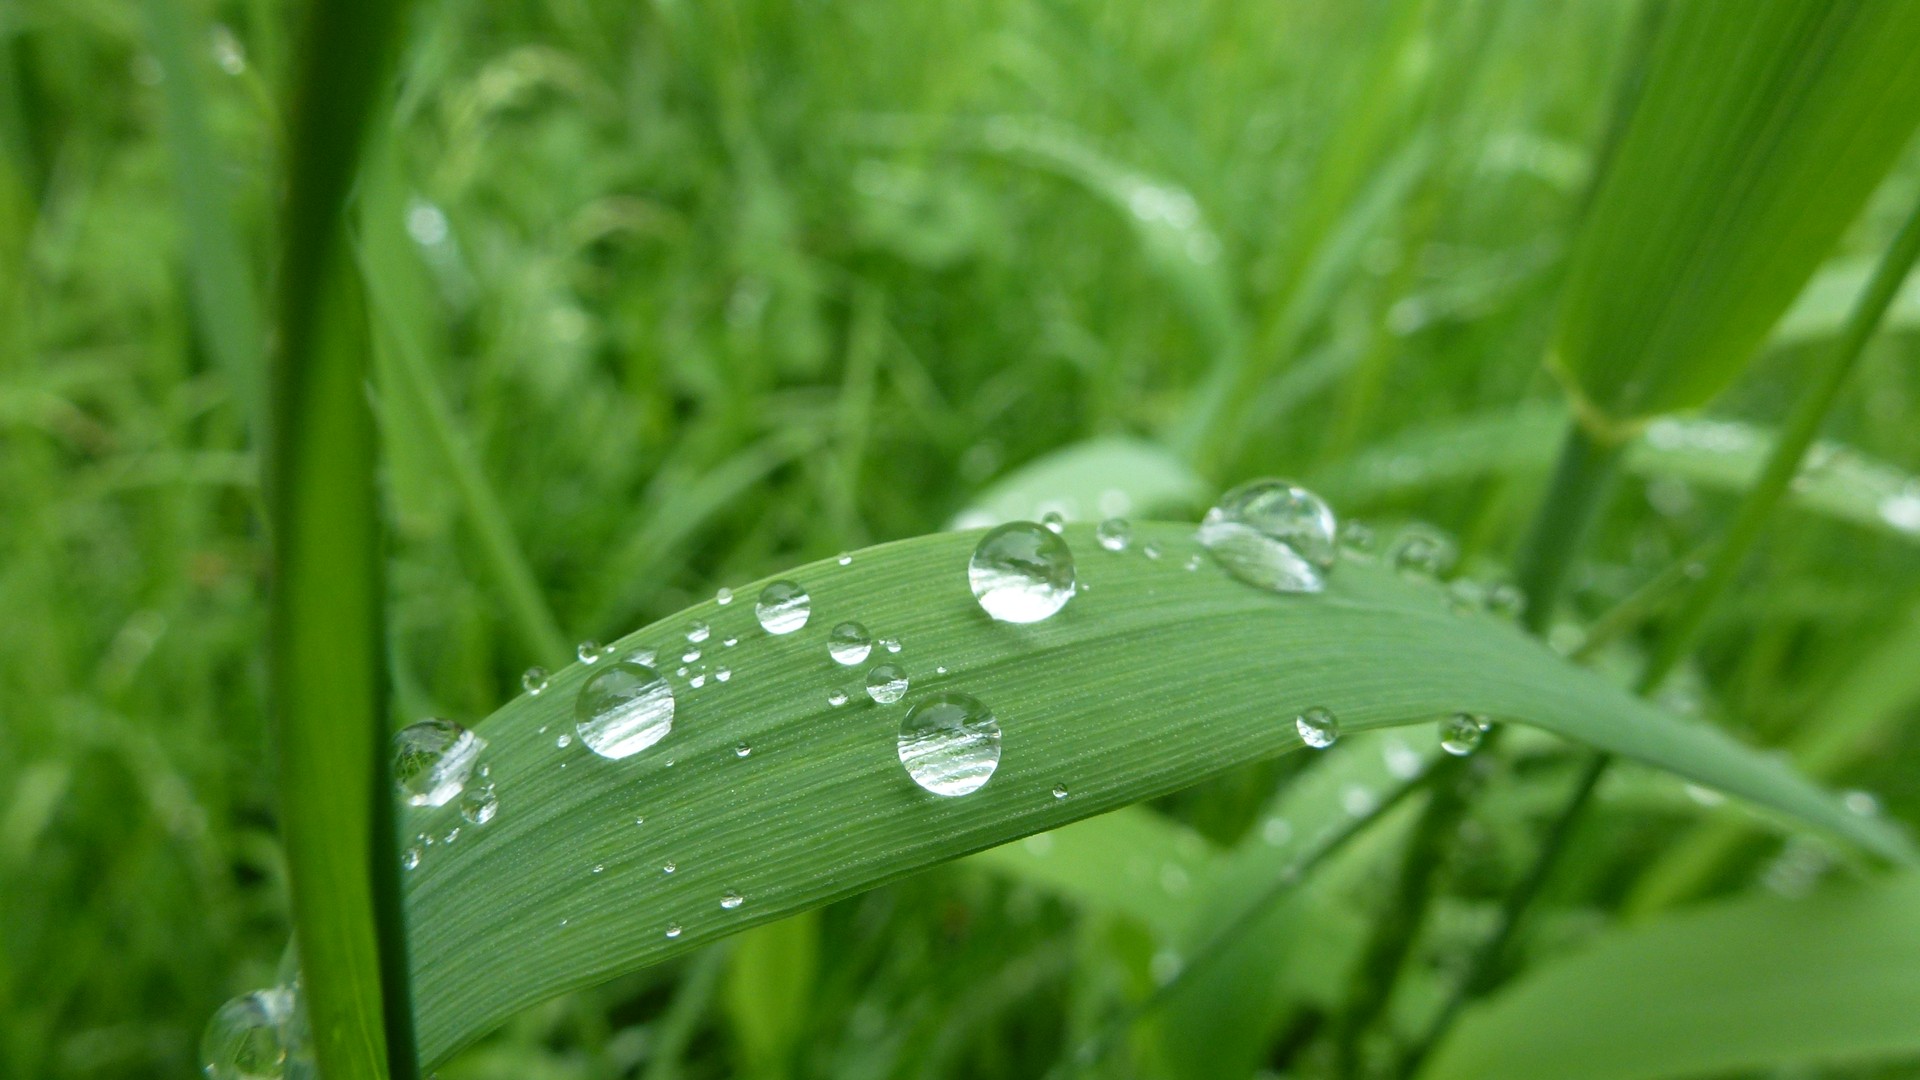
x=1155 y=676
x=1758 y=137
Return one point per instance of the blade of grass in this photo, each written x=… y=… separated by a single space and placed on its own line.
x=1155 y=677
x=327 y=681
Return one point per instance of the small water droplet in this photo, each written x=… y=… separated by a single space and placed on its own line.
x=534 y=680
x=1055 y=521
x=1059 y=791
x=1403 y=761
x=1021 y=573
x=940 y=670
x=1114 y=534
x=722 y=674
x=836 y=698
x=1174 y=879
x=643 y=656
x=1460 y=733
x=723 y=596
x=1150 y=549
x=565 y=740
x=639 y=819
x=742 y=750
x=698 y=631
x=1356 y=537
x=480 y=805
x=623 y=710
x=690 y=656
x=697 y=680
x=848 y=644
x=891 y=644
x=1165 y=966
x=1318 y=728
x=588 y=651
x=886 y=683
x=783 y=607
x=1506 y=600
x=950 y=743
x=668 y=868
x=1193 y=562
x=673 y=930
x=410 y=859
x=1465 y=596
x=729 y=641
x=732 y=900
x=683 y=671
x=247 y=1038
x=1273 y=534
x=1422 y=552
x=599 y=868
x=432 y=759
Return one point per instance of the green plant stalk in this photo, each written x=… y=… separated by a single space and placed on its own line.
x=1783 y=464
x=1581 y=479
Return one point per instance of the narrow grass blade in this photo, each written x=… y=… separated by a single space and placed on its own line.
x=1751 y=984
x=1153 y=678
x=1088 y=481
x=1758 y=137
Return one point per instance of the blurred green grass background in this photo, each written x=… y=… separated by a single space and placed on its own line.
x=668 y=295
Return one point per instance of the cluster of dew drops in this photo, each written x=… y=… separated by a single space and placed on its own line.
x=1271 y=534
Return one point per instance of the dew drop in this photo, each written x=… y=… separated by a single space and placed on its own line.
x=1055 y=521
x=1059 y=791
x=783 y=607
x=643 y=656
x=1021 y=573
x=940 y=669
x=698 y=679
x=480 y=805
x=698 y=631
x=1422 y=552
x=673 y=930
x=1318 y=728
x=1273 y=534
x=692 y=654
x=1193 y=562
x=1506 y=600
x=534 y=680
x=886 y=683
x=623 y=710
x=722 y=674
x=432 y=759
x=588 y=651
x=668 y=868
x=1357 y=801
x=836 y=698
x=1151 y=550
x=950 y=744
x=1356 y=537
x=599 y=868
x=742 y=750
x=891 y=644
x=410 y=859
x=729 y=641
x=1114 y=534
x=1460 y=733
x=844 y=559
x=848 y=644
x=1402 y=761
x=723 y=596
x=248 y=1037
x=732 y=900
x=565 y=740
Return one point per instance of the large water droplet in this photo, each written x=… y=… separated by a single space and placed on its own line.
x=246 y=1039
x=1273 y=534
x=534 y=680
x=848 y=644
x=950 y=743
x=1021 y=573
x=623 y=710
x=1318 y=728
x=432 y=759
x=1460 y=733
x=1113 y=534
x=886 y=683
x=783 y=607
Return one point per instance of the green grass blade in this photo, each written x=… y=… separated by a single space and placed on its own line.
x=1157 y=676
x=1750 y=984
x=1089 y=481
x=1758 y=137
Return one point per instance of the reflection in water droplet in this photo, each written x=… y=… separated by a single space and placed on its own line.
x=1114 y=533
x=623 y=710
x=732 y=900
x=1460 y=733
x=644 y=656
x=1059 y=791
x=848 y=644
x=1272 y=534
x=886 y=683
x=783 y=607
x=247 y=1038
x=1318 y=728
x=950 y=743
x=742 y=750
x=534 y=681
x=432 y=759
x=588 y=651
x=1021 y=573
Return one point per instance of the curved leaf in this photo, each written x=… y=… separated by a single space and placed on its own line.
x=1154 y=677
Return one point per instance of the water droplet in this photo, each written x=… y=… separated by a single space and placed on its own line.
x=836 y=698
x=1318 y=728
x=742 y=750
x=698 y=631
x=565 y=740
x=698 y=679
x=950 y=743
x=1114 y=534
x=1272 y=534
x=1151 y=550
x=668 y=868
x=690 y=656
x=1356 y=537
x=673 y=930
x=1021 y=573
x=431 y=761
x=1422 y=552
x=480 y=805
x=783 y=607
x=588 y=651
x=623 y=710
x=1902 y=510
x=247 y=1038
x=1460 y=733
x=1465 y=596
x=940 y=670
x=1059 y=791
x=534 y=680
x=1055 y=521
x=886 y=683
x=410 y=859
x=643 y=656
x=729 y=641
x=732 y=900
x=722 y=674
x=891 y=644
x=848 y=644
x=599 y=868
x=723 y=596
x=844 y=559
x=1193 y=562
x=1506 y=600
